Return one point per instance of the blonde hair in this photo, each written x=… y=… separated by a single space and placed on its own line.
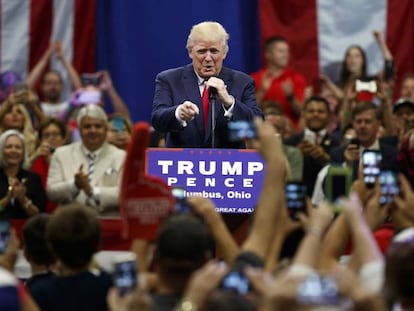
x=28 y=131
x=208 y=31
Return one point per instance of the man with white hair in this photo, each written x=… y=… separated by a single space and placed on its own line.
x=181 y=106
x=88 y=171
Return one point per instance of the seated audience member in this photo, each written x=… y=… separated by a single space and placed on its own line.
x=315 y=142
x=278 y=82
x=52 y=133
x=119 y=131
x=273 y=114
x=73 y=233
x=88 y=171
x=37 y=252
x=407 y=87
x=21 y=191
x=52 y=86
x=16 y=117
x=366 y=120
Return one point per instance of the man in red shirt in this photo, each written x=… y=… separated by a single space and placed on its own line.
x=278 y=82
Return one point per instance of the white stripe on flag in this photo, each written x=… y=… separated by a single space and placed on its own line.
x=62 y=30
x=344 y=23
x=15 y=36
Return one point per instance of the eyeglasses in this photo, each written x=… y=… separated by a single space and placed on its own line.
x=51 y=135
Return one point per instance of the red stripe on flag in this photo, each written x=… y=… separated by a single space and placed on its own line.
x=295 y=20
x=40 y=29
x=400 y=37
x=84 y=36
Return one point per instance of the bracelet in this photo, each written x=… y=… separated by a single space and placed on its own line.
x=315 y=231
x=186 y=305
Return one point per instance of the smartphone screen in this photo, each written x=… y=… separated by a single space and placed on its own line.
x=295 y=198
x=389 y=184
x=118 y=123
x=371 y=160
x=125 y=273
x=237 y=282
x=241 y=130
x=181 y=204
x=4 y=235
x=318 y=290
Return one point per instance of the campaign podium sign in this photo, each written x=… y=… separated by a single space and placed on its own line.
x=231 y=178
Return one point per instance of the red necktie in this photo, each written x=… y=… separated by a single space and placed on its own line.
x=206 y=104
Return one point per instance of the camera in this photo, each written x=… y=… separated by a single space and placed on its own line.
x=241 y=130
x=295 y=198
x=236 y=282
x=4 y=235
x=370 y=166
x=125 y=273
x=318 y=290
x=181 y=204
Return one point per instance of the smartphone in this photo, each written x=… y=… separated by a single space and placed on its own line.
x=389 y=185
x=236 y=282
x=181 y=204
x=125 y=273
x=241 y=130
x=371 y=160
x=318 y=290
x=90 y=79
x=388 y=70
x=118 y=123
x=4 y=235
x=337 y=183
x=355 y=141
x=295 y=198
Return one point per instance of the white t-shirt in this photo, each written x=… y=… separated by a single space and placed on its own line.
x=58 y=110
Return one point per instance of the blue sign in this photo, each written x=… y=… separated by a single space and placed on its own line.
x=231 y=178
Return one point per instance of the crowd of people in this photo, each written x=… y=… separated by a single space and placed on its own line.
x=349 y=248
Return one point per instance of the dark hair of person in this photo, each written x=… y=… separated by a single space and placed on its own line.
x=48 y=121
x=74 y=234
x=273 y=40
x=399 y=274
x=318 y=99
x=35 y=242
x=55 y=72
x=365 y=106
x=345 y=73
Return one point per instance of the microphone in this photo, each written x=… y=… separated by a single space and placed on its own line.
x=212 y=92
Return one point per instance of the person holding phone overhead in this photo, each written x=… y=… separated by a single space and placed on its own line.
x=182 y=112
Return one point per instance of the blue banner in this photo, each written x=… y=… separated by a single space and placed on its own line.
x=231 y=178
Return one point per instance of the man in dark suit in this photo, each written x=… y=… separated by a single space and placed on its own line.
x=366 y=120
x=315 y=142
x=181 y=108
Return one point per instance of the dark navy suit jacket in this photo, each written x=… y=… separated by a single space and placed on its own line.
x=174 y=86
